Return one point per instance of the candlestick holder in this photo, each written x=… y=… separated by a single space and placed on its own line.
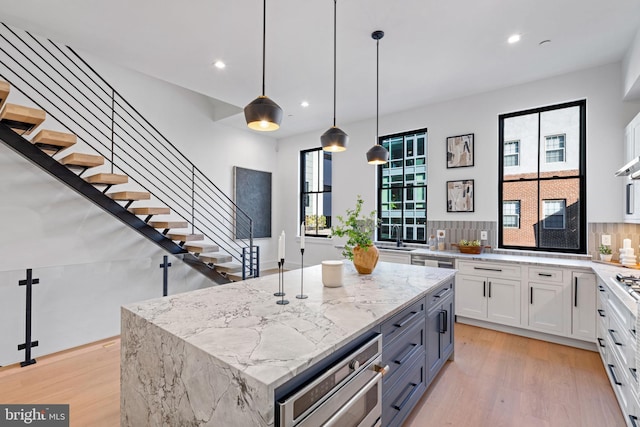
x=302 y=295
x=281 y=293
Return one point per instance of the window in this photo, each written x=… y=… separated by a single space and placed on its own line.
x=553 y=212
x=315 y=192
x=511 y=153
x=402 y=188
x=541 y=195
x=554 y=148
x=511 y=214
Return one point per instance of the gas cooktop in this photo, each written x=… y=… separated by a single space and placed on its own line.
x=630 y=283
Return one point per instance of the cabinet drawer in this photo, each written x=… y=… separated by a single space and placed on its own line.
x=617 y=310
x=621 y=343
x=398 y=402
x=399 y=354
x=489 y=269
x=438 y=295
x=403 y=321
x=545 y=274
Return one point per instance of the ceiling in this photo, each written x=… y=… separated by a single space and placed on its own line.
x=432 y=50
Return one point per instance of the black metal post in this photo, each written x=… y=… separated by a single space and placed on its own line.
x=302 y=295
x=279 y=293
x=113 y=109
x=29 y=282
x=165 y=275
x=244 y=265
x=282 y=301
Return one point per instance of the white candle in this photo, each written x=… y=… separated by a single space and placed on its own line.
x=279 y=248
x=302 y=230
x=283 y=242
x=626 y=243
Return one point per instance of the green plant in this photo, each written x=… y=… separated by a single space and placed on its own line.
x=469 y=242
x=357 y=228
x=604 y=249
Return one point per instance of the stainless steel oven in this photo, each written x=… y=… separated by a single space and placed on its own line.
x=348 y=394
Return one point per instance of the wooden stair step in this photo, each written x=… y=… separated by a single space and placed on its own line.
x=22 y=119
x=150 y=211
x=215 y=258
x=130 y=195
x=51 y=141
x=82 y=160
x=237 y=277
x=228 y=267
x=200 y=248
x=186 y=237
x=4 y=92
x=169 y=224
x=107 y=179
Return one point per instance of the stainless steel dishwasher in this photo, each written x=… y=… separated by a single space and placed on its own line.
x=433 y=260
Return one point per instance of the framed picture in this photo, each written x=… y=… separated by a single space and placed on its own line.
x=460 y=196
x=460 y=151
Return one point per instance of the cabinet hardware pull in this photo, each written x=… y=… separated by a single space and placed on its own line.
x=613 y=337
x=531 y=296
x=575 y=291
x=489 y=289
x=601 y=312
x=414 y=387
x=600 y=340
x=629 y=198
x=601 y=288
x=634 y=420
x=613 y=375
x=484 y=289
x=634 y=373
x=443 y=321
x=487 y=269
x=406 y=320
x=407 y=355
x=545 y=274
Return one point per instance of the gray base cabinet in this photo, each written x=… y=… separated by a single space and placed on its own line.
x=415 y=345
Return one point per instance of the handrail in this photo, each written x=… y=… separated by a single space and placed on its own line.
x=58 y=80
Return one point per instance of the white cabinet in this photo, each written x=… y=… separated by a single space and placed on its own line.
x=489 y=291
x=632 y=187
x=546 y=307
x=397 y=257
x=583 y=306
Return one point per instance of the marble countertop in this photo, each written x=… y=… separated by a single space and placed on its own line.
x=241 y=325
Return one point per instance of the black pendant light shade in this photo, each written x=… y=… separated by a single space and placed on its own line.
x=262 y=113
x=377 y=155
x=334 y=139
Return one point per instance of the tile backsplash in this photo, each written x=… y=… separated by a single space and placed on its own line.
x=618 y=232
x=467 y=230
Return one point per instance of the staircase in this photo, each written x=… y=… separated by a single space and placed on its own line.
x=200 y=222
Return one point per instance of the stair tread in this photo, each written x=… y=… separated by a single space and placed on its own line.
x=51 y=141
x=81 y=159
x=130 y=195
x=22 y=119
x=185 y=237
x=150 y=211
x=228 y=267
x=215 y=257
x=201 y=248
x=4 y=91
x=169 y=224
x=237 y=277
x=107 y=178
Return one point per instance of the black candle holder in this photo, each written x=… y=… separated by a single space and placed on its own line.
x=281 y=293
x=302 y=295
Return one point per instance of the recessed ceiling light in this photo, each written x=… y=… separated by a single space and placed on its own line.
x=304 y=104
x=514 y=38
x=219 y=64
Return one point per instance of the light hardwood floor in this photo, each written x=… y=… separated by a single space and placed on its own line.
x=496 y=380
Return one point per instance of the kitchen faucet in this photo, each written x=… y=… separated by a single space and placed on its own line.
x=398 y=235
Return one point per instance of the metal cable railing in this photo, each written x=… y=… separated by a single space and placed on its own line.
x=59 y=81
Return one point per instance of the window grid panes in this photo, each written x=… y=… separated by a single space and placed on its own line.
x=511 y=214
x=315 y=192
x=553 y=214
x=402 y=189
x=554 y=148
x=512 y=153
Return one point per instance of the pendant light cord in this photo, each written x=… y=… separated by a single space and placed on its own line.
x=264 y=41
x=335 y=7
x=377 y=88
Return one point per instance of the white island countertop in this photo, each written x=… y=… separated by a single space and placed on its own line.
x=215 y=356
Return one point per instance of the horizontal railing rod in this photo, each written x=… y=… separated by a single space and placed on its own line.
x=227 y=218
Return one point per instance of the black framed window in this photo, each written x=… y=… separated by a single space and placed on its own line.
x=315 y=192
x=402 y=187
x=548 y=180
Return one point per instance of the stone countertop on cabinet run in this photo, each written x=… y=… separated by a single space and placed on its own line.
x=251 y=342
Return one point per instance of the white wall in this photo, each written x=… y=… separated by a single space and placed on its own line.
x=607 y=115
x=631 y=69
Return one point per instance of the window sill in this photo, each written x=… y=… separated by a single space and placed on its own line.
x=585 y=257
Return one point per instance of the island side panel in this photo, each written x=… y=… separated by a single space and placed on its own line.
x=168 y=382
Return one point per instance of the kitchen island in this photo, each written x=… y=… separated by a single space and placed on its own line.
x=215 y=356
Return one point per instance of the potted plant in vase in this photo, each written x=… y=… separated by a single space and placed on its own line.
x=358 y=229
x=605 y=253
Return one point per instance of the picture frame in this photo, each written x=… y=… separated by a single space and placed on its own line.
x=460 y=151
x=460 y=196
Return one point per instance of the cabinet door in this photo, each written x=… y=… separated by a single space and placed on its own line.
x=583 y=306
x=434 y=343
x=546 y=307
x=395 y=257
x=447 y=336
x=470 y=296
x=503 y=301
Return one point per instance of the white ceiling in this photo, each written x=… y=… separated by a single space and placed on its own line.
x=432 y=50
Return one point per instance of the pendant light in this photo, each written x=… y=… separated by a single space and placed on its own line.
x=377 y=155
x=262 y=113
x=334 y=139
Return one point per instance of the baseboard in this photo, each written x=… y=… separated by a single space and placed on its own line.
x=571 y=342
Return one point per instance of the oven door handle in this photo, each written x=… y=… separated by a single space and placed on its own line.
x=335 y=418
